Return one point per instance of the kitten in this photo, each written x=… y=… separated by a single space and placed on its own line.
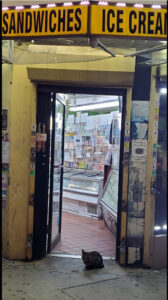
x=92 y=259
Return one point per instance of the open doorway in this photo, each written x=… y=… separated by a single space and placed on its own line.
x=91 y=137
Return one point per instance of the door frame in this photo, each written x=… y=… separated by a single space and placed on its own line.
x=104 y=90
x=51 y=245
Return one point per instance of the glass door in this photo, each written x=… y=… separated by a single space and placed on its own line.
x=56 y=171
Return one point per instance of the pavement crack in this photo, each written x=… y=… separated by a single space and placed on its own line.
x=63 y=292
x=79 y=285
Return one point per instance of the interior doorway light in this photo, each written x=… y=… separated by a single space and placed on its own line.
x=163 y=91
x=164 y=227
x=95 y=106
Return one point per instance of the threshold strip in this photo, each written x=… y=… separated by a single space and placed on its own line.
x=78 y=256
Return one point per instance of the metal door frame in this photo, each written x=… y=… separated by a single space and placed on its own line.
x=50 y=245
x=103 y=90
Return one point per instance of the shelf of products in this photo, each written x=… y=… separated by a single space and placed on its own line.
x=87 y=139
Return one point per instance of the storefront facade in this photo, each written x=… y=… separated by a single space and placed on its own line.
x=19 y=86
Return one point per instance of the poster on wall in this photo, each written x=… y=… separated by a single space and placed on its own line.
x=5 y=152
x=5 y=168
x=139 y=150
x=140 y=120
x=4 y=119
x=136 y=188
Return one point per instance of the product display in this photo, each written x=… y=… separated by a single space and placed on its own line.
x=82 y=190
x=87 y=140
x=82 y=181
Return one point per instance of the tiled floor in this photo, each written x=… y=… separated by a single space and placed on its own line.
x=80 y=232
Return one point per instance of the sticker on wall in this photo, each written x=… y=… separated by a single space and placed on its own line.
x=155 y=124
x=38 y=138
x=127 y=124
x=33 y=154
x=4 y=119
x=33 y=129
x=139 y=150
x=153 y=173
x=126 y=146
x=5 y=152
x=156 y=110
x=154 y=147
x=154 y=153
x=127 y=132
x=43 y=138
x=155 y=132
x=4 y=186
x=32 y=173
x=5 y=136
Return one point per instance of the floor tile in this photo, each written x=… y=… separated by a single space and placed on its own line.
x=80 y=232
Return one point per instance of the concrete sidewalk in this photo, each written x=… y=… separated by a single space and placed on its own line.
x=66 y=279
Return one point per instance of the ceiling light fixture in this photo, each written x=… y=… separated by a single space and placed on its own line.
x=95 y=106
x=121 y=4
x=35 y=6
x=156 y=6
x=102 y=3
x=84 y=3
x=51 y=5
x=19 y=7
x=68 y=4
x=138 y=5
x=5 y=8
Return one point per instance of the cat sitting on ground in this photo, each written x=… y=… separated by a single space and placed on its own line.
x=92 y=260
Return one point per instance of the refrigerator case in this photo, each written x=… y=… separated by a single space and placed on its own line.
x=82 y=190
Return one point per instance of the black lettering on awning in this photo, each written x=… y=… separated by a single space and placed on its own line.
x=46 y=20
x=142 y=19
x=77 y=14
x=28 y=22
x=61 y=20
x=110 y=28
x=150 y=22
x=5 y=23
x=132 y=15
x=119 y=20
x=38 y=20
x=12 y=24
x=69 y=20
x=103 y=19
x=159 y=24
x=20 y=22
x=165 y=24
x=52 y=13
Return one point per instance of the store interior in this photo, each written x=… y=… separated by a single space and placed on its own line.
x=91 y=173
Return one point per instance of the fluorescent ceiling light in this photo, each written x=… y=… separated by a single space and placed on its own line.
x=95 y=106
